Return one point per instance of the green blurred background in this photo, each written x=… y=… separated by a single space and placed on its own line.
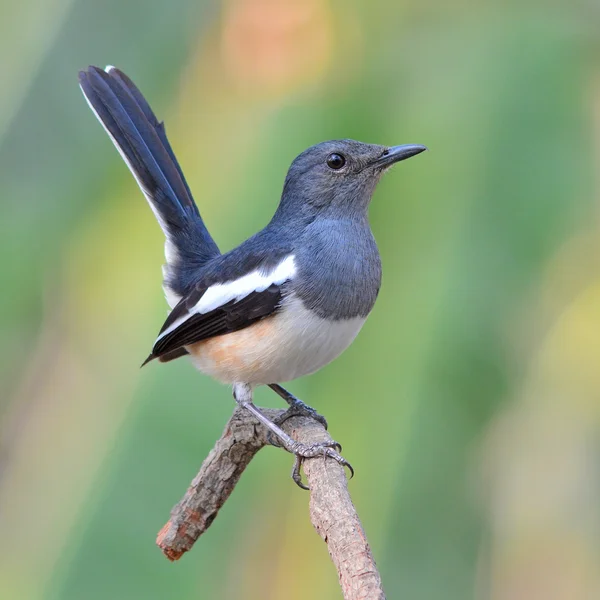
x=469 y=404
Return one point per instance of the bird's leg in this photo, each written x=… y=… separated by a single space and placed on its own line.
x=297 y=407
x=243 y=396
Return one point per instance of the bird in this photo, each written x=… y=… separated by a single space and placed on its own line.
x=285 y=302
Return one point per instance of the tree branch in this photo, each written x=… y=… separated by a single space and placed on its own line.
x=331 y=510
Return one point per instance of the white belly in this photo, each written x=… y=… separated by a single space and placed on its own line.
x=293 y=343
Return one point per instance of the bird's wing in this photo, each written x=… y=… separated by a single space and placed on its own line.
x=223 y=307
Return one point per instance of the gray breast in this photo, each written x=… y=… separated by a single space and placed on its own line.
x=339 y=269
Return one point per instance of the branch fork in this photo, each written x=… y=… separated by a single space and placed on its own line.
x=332 y=512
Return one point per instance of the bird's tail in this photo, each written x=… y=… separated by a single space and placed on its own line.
x=142 y=142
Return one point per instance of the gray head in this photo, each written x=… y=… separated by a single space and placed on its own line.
x=337 y=178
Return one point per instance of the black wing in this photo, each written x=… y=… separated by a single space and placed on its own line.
x=232 y=316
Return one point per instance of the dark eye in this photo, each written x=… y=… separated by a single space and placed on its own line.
x=335 y=161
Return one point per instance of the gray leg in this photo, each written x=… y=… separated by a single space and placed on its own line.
x=297 y=407
x=243 y=396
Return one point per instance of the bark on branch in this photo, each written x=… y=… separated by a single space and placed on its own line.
x=331 y=509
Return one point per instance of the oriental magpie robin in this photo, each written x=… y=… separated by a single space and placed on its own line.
x=289 y=299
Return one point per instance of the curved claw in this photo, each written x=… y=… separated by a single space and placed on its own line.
x=350 y=468
x=297 y=475
x=340 y=459
x=320 y=419
x=325 y=449
x=297 y=407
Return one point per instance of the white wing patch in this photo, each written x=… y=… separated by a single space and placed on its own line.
x=222 y=293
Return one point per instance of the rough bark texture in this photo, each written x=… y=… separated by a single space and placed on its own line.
x=331 y=510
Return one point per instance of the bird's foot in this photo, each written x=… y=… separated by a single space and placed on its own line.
x=297 y=407
x=302 y=451
x=300 y=409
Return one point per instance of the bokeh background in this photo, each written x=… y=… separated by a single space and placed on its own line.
x=469 y=404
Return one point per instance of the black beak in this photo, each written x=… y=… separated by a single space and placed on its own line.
x=397 y=153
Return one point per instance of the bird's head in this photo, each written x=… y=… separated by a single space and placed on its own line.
x=338 y=177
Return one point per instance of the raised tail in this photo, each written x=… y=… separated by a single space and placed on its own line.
x=142 y=142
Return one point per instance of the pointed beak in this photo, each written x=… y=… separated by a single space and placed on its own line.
x=397 y=153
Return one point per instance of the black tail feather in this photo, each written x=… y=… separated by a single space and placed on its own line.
x=142 y=141
x=169 y=356
x=158 y=126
